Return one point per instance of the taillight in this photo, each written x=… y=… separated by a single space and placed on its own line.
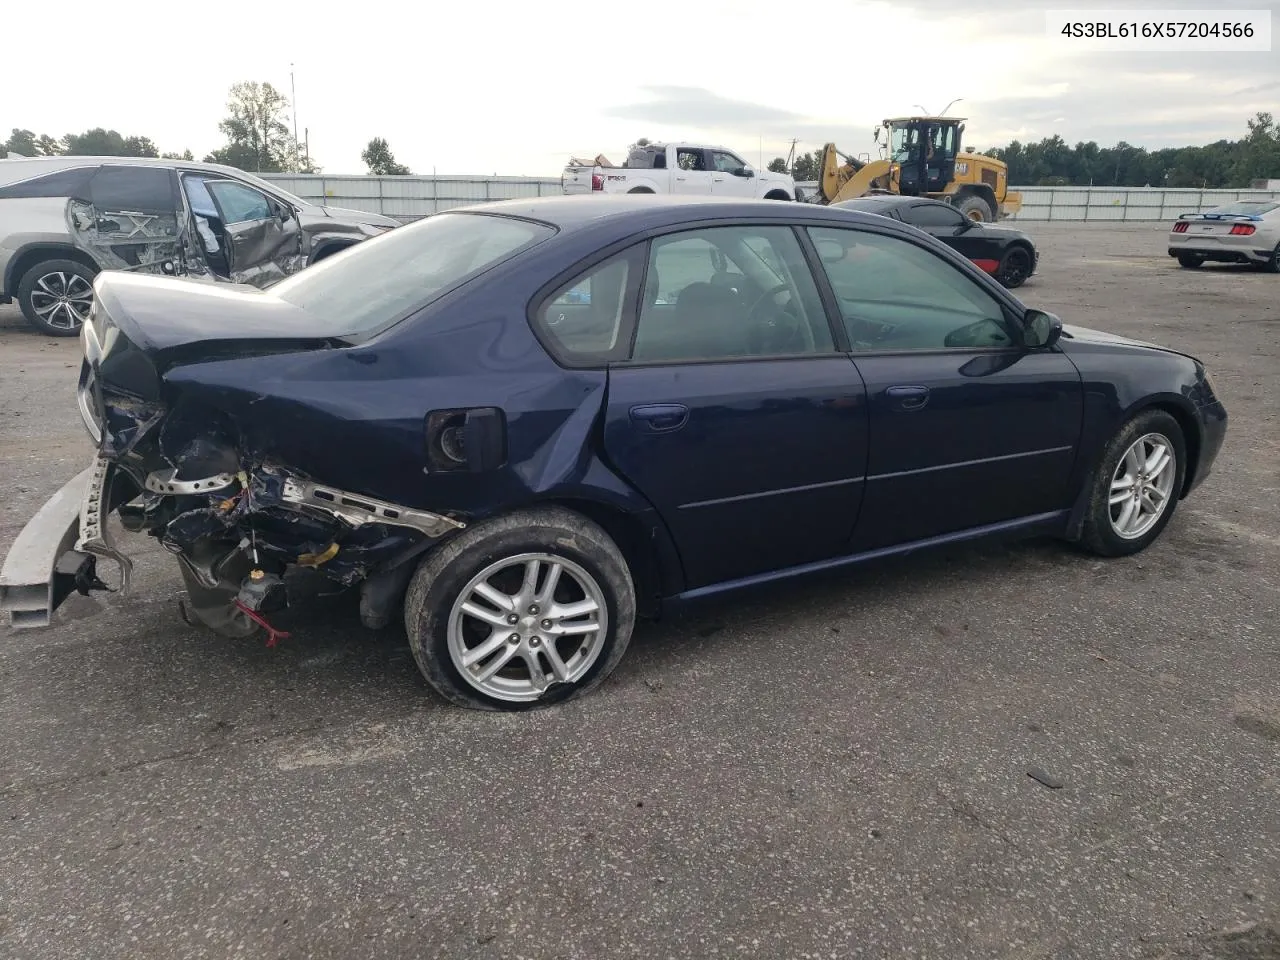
x=597 y=181
x=1242 y=229
x=1180 y=227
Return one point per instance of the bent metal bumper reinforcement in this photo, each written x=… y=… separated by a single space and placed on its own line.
x=161 y=481
x=94 y=508
x=359 y=510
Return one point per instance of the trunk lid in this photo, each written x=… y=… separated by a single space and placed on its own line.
x=143 y=326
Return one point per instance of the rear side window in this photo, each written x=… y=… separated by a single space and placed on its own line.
x=121 y=188
x=590 y=318
x=72 y=184
x=933 y=215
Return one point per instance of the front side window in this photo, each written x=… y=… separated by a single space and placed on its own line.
x=239 y=204
x=895 y=296
x=729 y=292
x=378 y=282
x=726 y=162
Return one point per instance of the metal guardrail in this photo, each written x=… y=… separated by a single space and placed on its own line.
x=413 y=197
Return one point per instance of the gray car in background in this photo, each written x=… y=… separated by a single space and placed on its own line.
x=64 y=219
x=1247 y=231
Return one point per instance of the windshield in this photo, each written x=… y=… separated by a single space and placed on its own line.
x=901 y=141
x=374 y=284
x=1247 y=207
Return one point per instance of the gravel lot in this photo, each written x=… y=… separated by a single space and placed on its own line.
x=838 y=769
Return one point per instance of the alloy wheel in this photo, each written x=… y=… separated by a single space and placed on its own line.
x=1142 y=486
x=62 y=300
x=526 y=622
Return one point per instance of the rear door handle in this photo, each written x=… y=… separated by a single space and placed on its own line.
x=661 y=417
x=908 y=397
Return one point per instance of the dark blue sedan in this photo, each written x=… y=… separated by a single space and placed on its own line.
x=526 y=423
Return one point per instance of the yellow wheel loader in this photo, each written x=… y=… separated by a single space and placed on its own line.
x=921 y=156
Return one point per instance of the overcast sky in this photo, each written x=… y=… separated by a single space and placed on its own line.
x=495 y=88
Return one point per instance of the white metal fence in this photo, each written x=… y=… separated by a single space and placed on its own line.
x=409 y=198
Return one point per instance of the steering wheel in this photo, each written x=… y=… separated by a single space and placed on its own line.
x=772 y=322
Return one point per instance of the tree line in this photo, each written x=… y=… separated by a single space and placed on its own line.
x=258 y=140
x=1052 y=162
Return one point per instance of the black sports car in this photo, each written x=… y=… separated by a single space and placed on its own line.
x=1008 y=255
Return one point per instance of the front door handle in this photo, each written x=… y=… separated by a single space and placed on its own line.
x=908 y=397
x=661 y=417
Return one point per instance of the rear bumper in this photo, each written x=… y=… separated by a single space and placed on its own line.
x=57 y=551
x=32 y=585
x=1219 y=250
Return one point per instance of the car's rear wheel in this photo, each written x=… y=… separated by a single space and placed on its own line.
x=1015 y=267
x=526 y=610
x=1190 y=260
x=1136 y=487
x=55 y=296
x=1273 y=264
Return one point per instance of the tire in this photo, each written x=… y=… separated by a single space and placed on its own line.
x=975 y=208
x=440 y=632
x=1190 y=260
x=777 y=195
x=42 y=286
x=640 y=190
x=1100 y=532
x=1015 y=267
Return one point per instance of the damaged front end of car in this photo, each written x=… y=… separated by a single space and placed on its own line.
x=186 y=474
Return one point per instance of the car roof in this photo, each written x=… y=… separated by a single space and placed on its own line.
x=643 y=211
x=880 y=200
x=16 y=169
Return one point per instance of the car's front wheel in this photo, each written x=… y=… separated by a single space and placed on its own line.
x=1135 y=489
x=55 y=296
x=525 y=610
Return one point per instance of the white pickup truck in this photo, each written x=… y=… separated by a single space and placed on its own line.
x=679 y=168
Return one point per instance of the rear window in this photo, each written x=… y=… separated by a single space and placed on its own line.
x=1254 y=208
x=374 y=284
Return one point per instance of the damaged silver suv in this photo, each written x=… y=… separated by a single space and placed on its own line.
x=64 y=219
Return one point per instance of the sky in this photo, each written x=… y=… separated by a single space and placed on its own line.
x=458 y=88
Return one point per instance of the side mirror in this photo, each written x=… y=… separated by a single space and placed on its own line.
x=744 y=172
x=1042 y=329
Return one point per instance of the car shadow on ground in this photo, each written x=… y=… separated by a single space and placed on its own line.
x=336 y=664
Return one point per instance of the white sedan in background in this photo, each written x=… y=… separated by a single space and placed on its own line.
x=1247 y=231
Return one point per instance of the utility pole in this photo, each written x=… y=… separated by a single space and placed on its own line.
x=293 y=99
